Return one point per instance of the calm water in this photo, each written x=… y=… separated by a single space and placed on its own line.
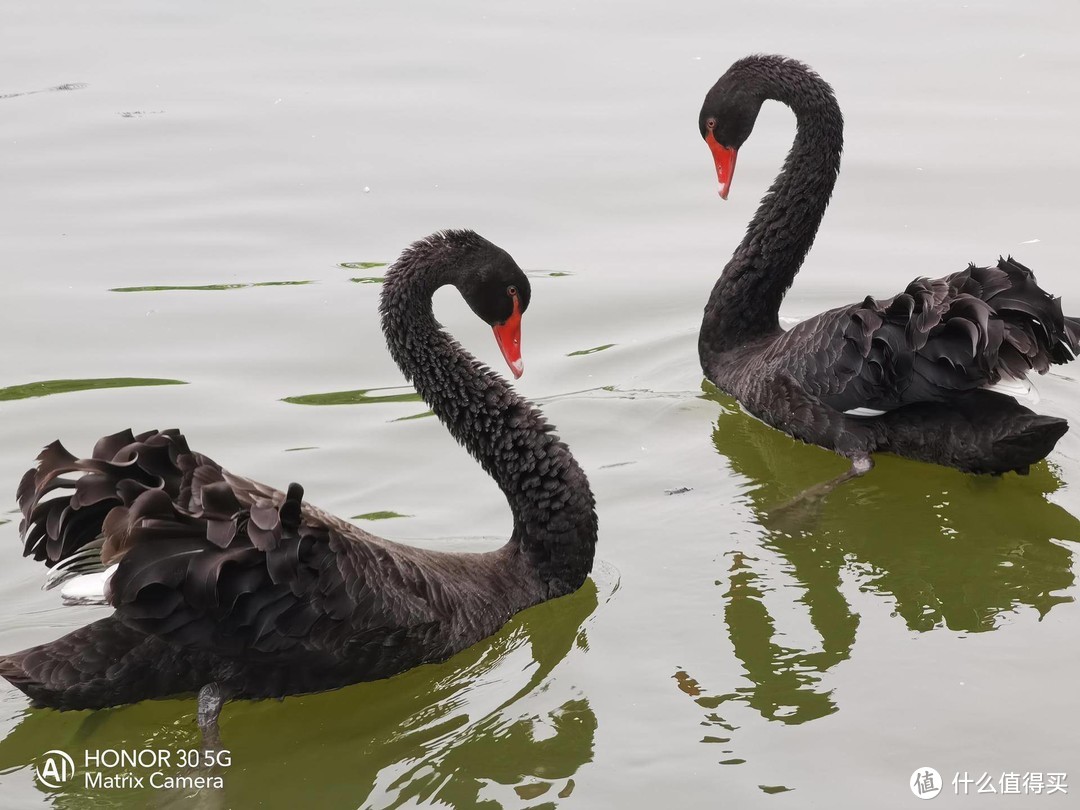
x=726 y=652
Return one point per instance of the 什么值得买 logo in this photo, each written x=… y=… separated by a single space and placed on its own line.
x=925 y=783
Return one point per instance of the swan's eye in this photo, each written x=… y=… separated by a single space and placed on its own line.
x=511 y=290
x=711 y=123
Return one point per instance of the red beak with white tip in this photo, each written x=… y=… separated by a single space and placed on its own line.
x=508 y=336
x=724 y=157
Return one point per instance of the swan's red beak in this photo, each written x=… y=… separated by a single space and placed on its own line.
x=725 y=163
x=508 y=336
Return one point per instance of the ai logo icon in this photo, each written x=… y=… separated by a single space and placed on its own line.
x=925 y=783
x=55 y=768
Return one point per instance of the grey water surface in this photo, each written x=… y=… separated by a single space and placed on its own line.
x=198 y=202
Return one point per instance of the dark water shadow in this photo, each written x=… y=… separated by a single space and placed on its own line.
x=60 y=88
x=490 y=727
x=949 y=552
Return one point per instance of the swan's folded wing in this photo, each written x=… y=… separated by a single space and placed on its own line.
x=938 y=339
x=217 y=562
x=256 y=583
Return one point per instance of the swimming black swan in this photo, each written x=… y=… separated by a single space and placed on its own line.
x=228 y=587
x=907 y=375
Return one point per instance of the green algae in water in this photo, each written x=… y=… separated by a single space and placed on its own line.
x=411 y=417
x=368 y=280
x=385 y=515
x=593 y=350
x=361 y=265
x=363 y=396
x=48 y=387
x=533 y=790
x=209 y=287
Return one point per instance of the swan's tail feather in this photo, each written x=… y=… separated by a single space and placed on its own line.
x=1030 y=443
x=102 y=664
x=982 y=432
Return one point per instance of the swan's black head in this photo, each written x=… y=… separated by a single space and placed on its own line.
x=493 y=286
x=730 y=109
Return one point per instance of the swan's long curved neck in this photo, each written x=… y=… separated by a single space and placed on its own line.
x=745 y=302
x=548 y=493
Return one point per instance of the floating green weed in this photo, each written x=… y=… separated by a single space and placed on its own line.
x=47 y=387
x=361 y=265
x=386 y=515
x=593 y=350
x=364 y=396
x=423 y=415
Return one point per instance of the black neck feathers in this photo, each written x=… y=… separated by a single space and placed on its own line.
x=745 y=301
x=549 y=496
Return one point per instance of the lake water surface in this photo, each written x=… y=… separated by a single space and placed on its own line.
x=270 y=157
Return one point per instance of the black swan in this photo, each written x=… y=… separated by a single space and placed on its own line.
x=232 y=589
x=909 y=374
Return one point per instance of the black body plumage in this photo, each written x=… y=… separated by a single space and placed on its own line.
x=224 y=580
x=923 y=358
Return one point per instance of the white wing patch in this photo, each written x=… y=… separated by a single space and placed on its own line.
x=1017 y=388
x=863 y=412
x=87 y=589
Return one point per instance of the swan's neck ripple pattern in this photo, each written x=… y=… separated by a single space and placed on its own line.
x=745 y=302
x=553 y=508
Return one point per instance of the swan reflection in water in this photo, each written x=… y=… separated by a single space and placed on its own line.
x=949 y=551
x=498 y=722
